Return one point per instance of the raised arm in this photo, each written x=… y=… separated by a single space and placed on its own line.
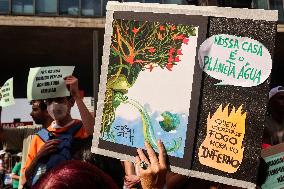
x=87 y=118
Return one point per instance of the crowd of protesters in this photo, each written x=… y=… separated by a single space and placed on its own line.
x=57 y=153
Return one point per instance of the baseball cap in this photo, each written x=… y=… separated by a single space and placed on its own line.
x=275 y=90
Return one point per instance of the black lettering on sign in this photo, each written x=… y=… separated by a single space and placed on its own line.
x=56 y=71
x=54 y=82
x=39 y=85
x=218 y=144
x=275 y=161
x=46 y=84
x=225 y=138
x=276 y=171
x=43 y=72
x=219 y=158
x=224 y=123
x=49 y=90
x=280 y=179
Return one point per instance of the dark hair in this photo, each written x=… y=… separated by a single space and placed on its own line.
x=17 y=159
x=42 y=105
x=74 y=174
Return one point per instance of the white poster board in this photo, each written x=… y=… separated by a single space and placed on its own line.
x=6 y=91
x=48 y=82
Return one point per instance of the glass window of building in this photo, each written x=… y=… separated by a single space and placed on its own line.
x=132 y=1
x=104 y=7
x=91 y=7
x=235 y=3
x=273 y=5
x=22 y=7
x=48 y=7
x=179 y=2
x=4 y=6
x=153 y=1
x=69 y=7
x=278 y=5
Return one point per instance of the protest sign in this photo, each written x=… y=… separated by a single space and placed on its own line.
x=6 y=91
x=48 y=82
x=152 y=87
x=274 y=158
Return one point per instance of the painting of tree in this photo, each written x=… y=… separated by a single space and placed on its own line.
x=139 y=46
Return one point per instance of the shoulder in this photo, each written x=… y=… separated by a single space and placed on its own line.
x=77 y=121
x=82 y=131
x=19 y=164
x=36 y=139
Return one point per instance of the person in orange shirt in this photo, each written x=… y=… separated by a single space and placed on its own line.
x=59 y=109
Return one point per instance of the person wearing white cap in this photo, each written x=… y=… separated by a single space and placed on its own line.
x=274 y=126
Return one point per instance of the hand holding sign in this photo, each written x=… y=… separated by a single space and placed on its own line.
x=72 y=84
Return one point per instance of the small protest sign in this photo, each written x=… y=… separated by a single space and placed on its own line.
x=48 y=82
x=238 y=61
x=274 y=157
x=6 y=91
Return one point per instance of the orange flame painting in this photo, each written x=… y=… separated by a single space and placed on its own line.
x=223 y=148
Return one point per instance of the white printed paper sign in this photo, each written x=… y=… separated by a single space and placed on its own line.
x=6 y=91
x=238 y=61
x=48 y=82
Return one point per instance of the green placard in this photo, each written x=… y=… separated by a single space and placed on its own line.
x=275 y=176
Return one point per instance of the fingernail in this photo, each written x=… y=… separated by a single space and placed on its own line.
x=159 y=141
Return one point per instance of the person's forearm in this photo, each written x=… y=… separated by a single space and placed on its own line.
x=23 y=179
x=87 y=118
x=129 y=168
x=31 y=168
x=14 y=176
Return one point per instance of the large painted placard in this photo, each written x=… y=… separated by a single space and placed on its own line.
x=163 y=77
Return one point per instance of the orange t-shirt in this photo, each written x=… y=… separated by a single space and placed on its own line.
x=37 y=142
